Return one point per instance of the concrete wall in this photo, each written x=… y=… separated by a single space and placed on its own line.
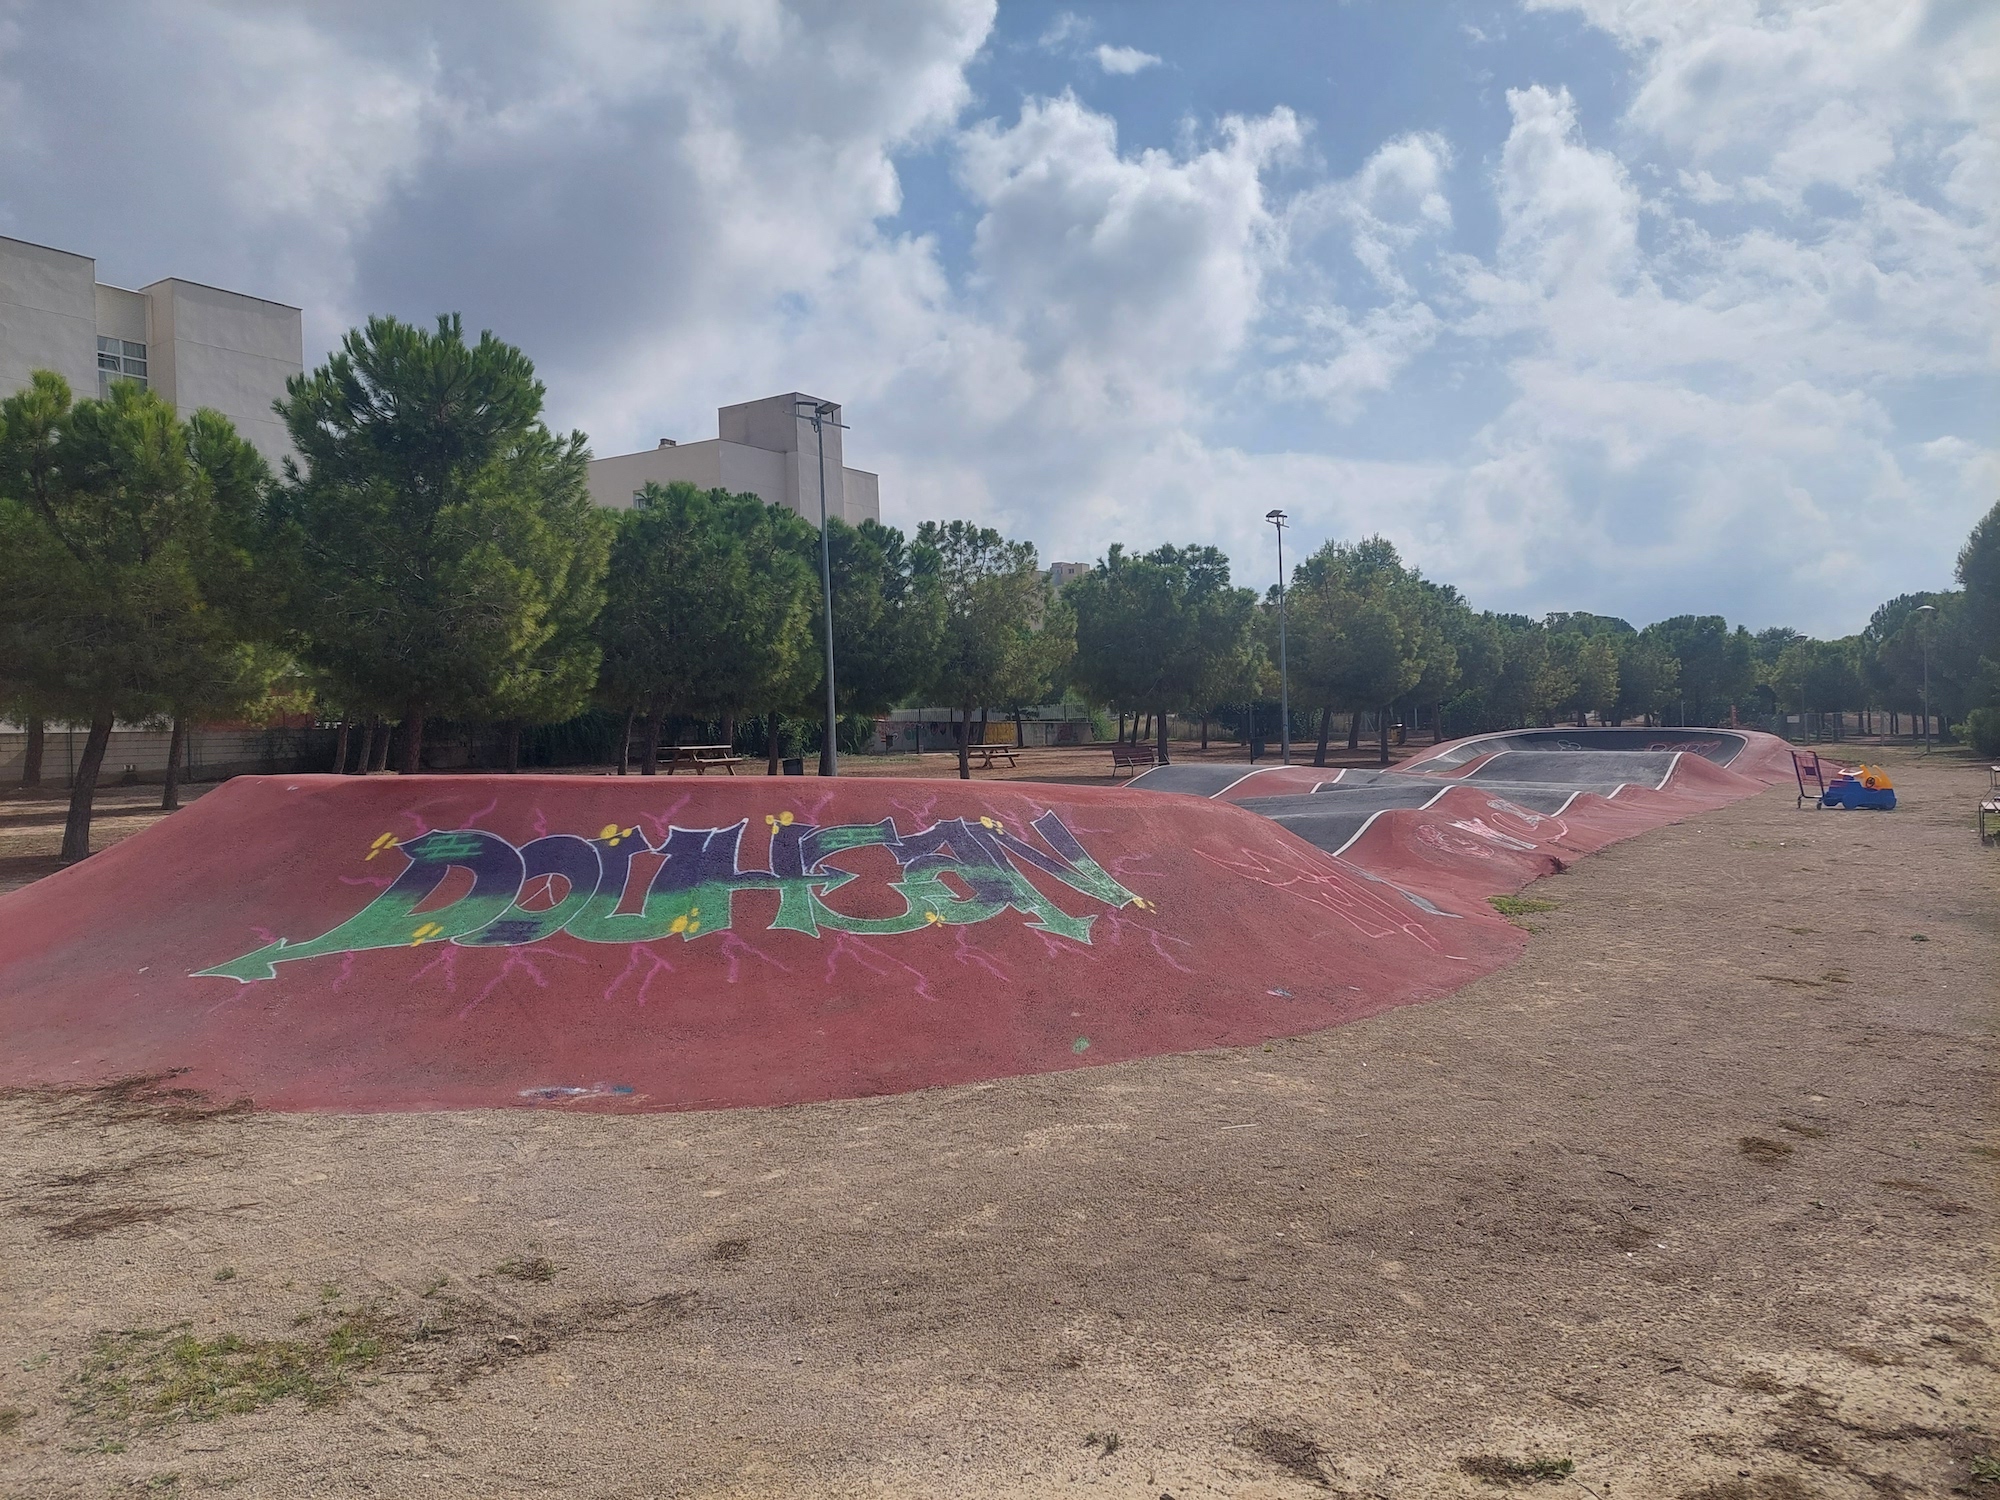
x=765 y=449
x=861 y=496
x=775 y=425
x=122 y=315
x=613 y=481
x=48 y=316
x=226 y=351
x=212 y=754
x=204 y=347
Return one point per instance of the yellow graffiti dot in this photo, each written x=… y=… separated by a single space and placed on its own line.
x=693 y=928
x=386 y=841
x=785 y=818
x=428 y=930
x=933 y=918
x=769 y=821
x=694 y=911
x=680 y=924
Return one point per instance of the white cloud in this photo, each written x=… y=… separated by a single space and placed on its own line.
x=1125 y=60
x=1691 y=347
x=1713 y=404
x=1067 y=27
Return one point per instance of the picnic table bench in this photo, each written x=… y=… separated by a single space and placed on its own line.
x=1133 y=758
x=700 y=757
x=984 y=754
x=1990 y=807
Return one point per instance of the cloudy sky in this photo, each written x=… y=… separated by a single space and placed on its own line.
x=1636 y=306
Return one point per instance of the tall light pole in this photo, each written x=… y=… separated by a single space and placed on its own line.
x=820 y=414
x=1277 y=518
x=1925 y=633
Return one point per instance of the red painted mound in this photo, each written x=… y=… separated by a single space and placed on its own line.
x=1474 y=842
x=326 y=942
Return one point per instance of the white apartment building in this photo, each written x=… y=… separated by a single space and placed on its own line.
x=765 y=448
x=195 y=345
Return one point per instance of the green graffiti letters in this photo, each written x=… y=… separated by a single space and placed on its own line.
x=620 y=888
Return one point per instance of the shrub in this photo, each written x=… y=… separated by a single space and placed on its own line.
x=1982 y=730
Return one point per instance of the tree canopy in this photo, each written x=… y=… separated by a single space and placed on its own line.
x=443 y=544
x=122 y=591
x=1164 y=632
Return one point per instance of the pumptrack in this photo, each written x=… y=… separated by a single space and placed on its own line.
x=338 y=943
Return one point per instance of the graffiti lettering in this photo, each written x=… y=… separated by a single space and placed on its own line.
x=619 y=888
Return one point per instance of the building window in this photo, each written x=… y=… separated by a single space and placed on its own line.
x=119 y=359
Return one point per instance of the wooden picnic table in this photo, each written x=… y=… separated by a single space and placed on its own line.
x=700 y=757
x=983 y=755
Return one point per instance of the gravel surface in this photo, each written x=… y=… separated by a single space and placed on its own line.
x=1697 y=1199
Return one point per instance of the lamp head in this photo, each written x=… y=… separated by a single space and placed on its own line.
x=1275 y=517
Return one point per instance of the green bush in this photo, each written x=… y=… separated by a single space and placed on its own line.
x=1982 y=730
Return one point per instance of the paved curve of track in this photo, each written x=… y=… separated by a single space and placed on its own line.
x=320 y=942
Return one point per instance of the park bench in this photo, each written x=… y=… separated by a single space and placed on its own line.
x=1990 y=807
x=700 y=758
x=1133 y=758
x=983 y=755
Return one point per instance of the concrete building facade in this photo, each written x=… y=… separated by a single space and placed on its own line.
x=765 y=448
x=1062 y=574
x=196 y=345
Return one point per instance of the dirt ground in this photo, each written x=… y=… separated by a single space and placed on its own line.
x=1697 y=1199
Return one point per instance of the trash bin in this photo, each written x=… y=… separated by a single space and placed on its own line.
x=795 y=766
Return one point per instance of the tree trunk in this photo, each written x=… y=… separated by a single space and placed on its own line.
x=340 y=749
x=1149 y=727
x=513 y=749
x=965 y=744
x=1353 y=731
x=379 y=759
x=1119 y=738
x=413 y=739
x=31 y=765
x=625 y=744
x=170 y=794
x=1325 y=729
x=1160 y=746
x=76 y=831
x=1437 y=723
x=1020 y=736
x=985 y=718
x=649 y=748
x=773 y=750
x=367 y=751
x=728 y=735
x=1204 y=734
x=1382 y=735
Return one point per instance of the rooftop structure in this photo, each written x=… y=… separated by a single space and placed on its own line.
x=196 y=345
x=1062 y=573
x=765 y=448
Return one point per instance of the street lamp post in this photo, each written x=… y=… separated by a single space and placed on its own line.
x=820 y=413
x=1925 y=635
x=1277 y=518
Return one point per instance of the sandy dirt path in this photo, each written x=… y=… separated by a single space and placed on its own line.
x=1697 y=1198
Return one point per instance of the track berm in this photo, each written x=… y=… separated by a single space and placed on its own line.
x=443 y=942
